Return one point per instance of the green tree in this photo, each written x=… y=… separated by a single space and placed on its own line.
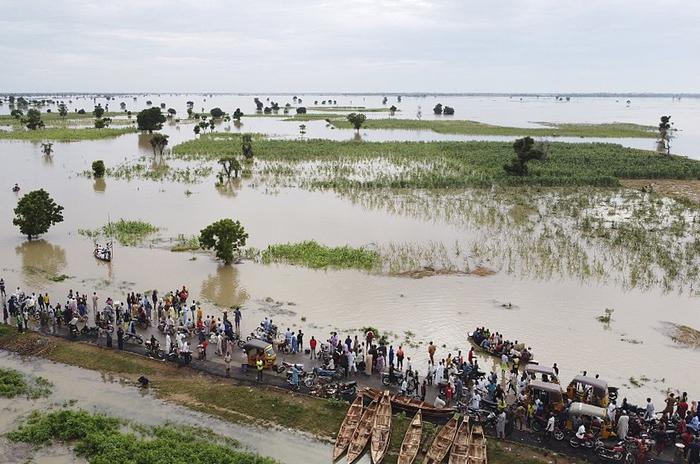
x=438 y=109
x=171 y=112
x=448 y=111
x=150 y=119
x=63 y=110
x=216 y=113
x=525 y=151
x=98 y=168
x=247 y=146
x=231 y=166
x=196 y=130
x=225 y=236
x=357 y=119
x=101 y=123
x=301 y=110
x=16 y=114
x=159 y=142
x=33 y=120
x=237 y=114
x=98 y=112
x=36 y=212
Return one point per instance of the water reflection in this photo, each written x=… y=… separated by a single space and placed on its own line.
x=223 y=288
x=229 y=188
x=99 y=185
x=47 y=160
x=144 y=141
x=40 y=259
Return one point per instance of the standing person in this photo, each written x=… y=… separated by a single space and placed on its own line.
x=670 y=405
x=312 y=348
x=623 y=426
x=555 y=368
x=227 y=362
x=2 y=288
x=237 y=319
x=549 y=429
x=399 y=358
x=649 y=411
x=259 y=366
x=431 y=352
x=120 y=338
x=108 y=336
x=95 y=298
x=352 y=366
x=423 y=389
x=501 y=425
x=300 y=341
x=391 y=355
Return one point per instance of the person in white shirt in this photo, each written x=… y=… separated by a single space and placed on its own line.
x=475 y=402
x=581 y=432
x=439 y=402
x=352 y=367
x=650 y=411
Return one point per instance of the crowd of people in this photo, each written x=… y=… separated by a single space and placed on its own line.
x=452 y=381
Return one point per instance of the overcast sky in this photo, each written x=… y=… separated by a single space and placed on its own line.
x=354 y=46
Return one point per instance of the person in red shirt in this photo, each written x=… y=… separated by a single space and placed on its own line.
x=312 y=346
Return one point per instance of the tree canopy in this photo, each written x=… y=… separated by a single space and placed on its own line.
x=225 y=236
x=216 y=113
x=36 y=212
x=98 y=112
x=357 y=119
x=33 y=120
x=525 y=151
x=159 y=142
x=150 y=119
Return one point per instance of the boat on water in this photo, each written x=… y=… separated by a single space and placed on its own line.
x=381 y=431
x=347 y=428
x=103 y=253
x=460 y=446
x=524 y=356
x=411 y=440
x=442 y=443
x=477 y=446
x=362 y=432
x=413 y=405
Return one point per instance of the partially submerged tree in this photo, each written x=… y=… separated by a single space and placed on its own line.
x=216 y=113
x=525 y=151
x=448 y=111
x=258 y=104
x=159 y=142
x=225 y=236
x=63 y=110
x=665 y=134
x=438 y=109
x=247 y=146
x=101 y=123
x=98 y=169
x=150 y=119
x=47 y=148
x=237 y=114
x=392 y=109
x=356 y=119
x=230 y=166
x=16 y=114
x=171 y=112
x=33 y=120
x=36 y=212
x=301 y=110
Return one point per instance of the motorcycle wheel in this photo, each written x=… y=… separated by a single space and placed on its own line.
x=536 y=426
x=139 y=339
x=309 y=382
x=241 y=343
x=574 y=443
x=385 y=381
x=280 y=369
x=160 y=354
x=558 y=435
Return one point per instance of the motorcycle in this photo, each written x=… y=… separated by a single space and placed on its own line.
x=73 y=330
x=154 y=351
x=285 y=366
x=539 y=424
x=615 y=453
x=133 y=337
x=389 y=379
x=588 y=441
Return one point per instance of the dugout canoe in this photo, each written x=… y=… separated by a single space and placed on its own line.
x=381 y=431
x=442 y=443
x=411 y=440
x=347 y=428
x=362 y=433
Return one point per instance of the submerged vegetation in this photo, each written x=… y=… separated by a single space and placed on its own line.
x=126 y=232
x=102 y=439
x=314 y=255
x=13 y=383
x=343 y=165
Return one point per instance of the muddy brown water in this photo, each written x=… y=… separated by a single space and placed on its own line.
x=556 y=317
x=101 y=393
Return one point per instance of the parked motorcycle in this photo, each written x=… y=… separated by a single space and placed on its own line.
x=615 y=453
x=133 y=337
x=588 y=441
x=389 y=379
x=286 y=365
x=154 y=351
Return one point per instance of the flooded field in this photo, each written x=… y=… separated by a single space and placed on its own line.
x=101 y=393
x=557 y=279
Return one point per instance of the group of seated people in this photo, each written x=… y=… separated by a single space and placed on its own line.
x=493 y=342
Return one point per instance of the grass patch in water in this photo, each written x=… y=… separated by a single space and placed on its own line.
x=128 y=233
x=64 y=134
x=101 y=439
x=13 y=383
x=465 y=127
x=183 y=243
x=317 y=256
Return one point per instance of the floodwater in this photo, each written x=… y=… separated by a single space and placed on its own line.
x=557 y=316
x=101 y=393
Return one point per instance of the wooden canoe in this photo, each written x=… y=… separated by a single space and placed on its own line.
x=411 y=441
x=347 y=428
x=381 y=432
x=411 y=406
x=477 y=446
x=362 y=432
x=460 y=446
x=441 y=444
x=483 y=350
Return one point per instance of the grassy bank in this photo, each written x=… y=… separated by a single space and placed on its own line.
x=316 y=256
x=329 y=164
x=465 y=127
x=63 y=134
x=128 y=233
x=102 y=439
